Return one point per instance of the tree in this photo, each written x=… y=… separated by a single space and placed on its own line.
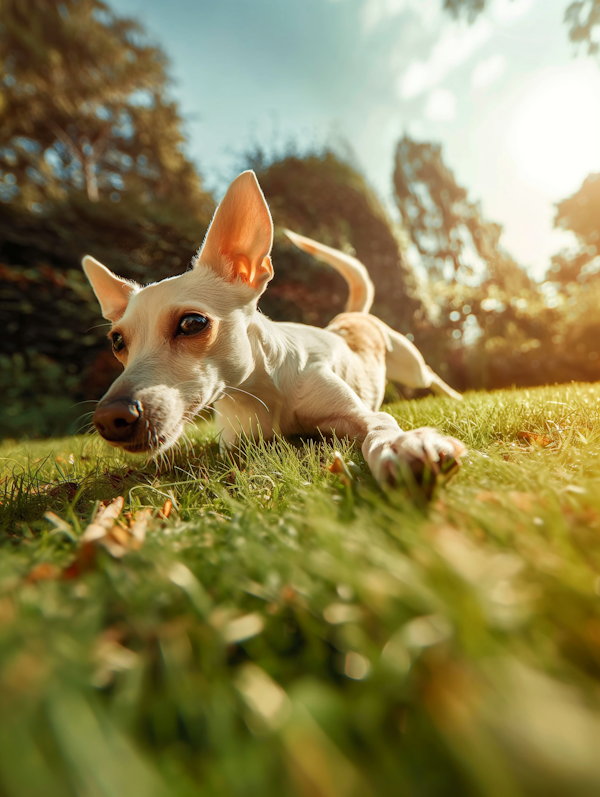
x=580 y=214
x=478 y=295
x=85 y=108
x=447 y=228
x=91 y=160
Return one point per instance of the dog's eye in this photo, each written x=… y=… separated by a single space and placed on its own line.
x=117 y=342
x=192 y=324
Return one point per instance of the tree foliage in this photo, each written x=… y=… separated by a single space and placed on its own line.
x=469 y=8
x=582 y=18
x=85 y=108
x=447 y=228
x=580 y=214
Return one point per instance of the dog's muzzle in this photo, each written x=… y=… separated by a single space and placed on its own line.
x=119 y=421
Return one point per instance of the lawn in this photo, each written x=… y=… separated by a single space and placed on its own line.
x=269 y=627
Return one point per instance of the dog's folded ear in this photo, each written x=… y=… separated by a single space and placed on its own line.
x=239 y=240
x=112 y=292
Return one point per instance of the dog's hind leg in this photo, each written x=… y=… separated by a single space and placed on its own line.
x=405 y=364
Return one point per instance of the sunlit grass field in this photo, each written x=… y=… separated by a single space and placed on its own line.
x=268 y=627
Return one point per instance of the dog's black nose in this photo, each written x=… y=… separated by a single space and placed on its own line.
x=118 y=420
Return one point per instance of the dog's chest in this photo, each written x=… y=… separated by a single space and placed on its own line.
x=261 y=410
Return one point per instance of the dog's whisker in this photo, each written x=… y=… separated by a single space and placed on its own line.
x=239 y=389
x=97 y=326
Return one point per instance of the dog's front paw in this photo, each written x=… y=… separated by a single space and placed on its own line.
x=420 y=457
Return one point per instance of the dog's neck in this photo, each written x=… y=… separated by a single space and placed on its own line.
x=269 y=348
x=259 y=396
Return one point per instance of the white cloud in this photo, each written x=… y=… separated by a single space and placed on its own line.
x=375 y=12
x=488 y=71
x=441 y=106
x=415 y=128
x=504 y=11
x=456 y=44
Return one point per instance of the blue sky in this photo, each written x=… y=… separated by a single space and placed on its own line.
x=518 y=115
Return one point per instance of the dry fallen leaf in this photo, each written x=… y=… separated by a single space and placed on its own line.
x=104 y=521
x=43 y=572
x=117 y=479
x=166 y=509
x=66 y=490
x=535 y=439
x=488 y=496
x=115 y=536
x=523 y=501
x=339 y=467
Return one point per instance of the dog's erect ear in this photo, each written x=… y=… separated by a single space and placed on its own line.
x=112 y=292
x=239 y=240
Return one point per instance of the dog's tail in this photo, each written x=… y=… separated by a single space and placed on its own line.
x=352 y=270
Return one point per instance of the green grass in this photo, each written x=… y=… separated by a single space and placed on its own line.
x=285 y=632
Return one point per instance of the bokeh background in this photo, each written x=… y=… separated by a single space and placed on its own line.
x=452 y=145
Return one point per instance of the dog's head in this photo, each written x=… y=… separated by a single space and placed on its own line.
x=184 y=340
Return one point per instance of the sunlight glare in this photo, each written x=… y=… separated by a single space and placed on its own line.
x=554 y=138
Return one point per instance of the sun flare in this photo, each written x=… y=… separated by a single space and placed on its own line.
x=554 y=138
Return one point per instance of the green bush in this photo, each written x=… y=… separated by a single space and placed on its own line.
x=36 y=397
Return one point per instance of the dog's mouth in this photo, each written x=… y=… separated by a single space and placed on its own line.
x=153 y=443
x=138 y=448
x=138 y=425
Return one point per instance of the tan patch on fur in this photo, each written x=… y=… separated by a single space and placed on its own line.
x=362 y=334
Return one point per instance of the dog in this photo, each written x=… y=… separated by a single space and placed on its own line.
x=198 y=340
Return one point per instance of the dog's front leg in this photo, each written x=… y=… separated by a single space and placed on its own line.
x=330 y=404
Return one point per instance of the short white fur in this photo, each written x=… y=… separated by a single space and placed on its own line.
x=281 y=378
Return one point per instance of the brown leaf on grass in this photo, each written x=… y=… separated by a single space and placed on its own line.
x=43 y=572
x=83 y=563
x=535 y=439
x=105 y=518
x=166 y=509
x=339 y=467
x=488 y=496
x=66 y=490
x=116 y=537
x=112 y=534
x=117 y=479
x=523 y=501
x=230 y=477
x=62 y=461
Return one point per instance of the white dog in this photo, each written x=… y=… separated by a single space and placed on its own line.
x=191 y=341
